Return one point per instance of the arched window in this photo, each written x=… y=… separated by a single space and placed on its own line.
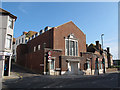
x=71 y=45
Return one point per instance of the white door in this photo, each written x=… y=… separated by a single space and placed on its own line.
x=74 y=68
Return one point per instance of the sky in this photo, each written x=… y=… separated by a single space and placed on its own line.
x=93 y=18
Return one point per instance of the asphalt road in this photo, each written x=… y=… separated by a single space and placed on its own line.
x=32 y=80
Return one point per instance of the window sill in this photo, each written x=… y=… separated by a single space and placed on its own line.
x=7 y=48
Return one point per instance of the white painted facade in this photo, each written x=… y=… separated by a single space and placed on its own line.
x=6 y=38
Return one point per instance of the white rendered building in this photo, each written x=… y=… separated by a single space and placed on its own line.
x=7 y=21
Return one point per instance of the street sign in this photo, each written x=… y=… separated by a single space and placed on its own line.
x=49 y=53
x=49 y=57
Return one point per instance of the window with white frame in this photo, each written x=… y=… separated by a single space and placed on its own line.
x=10 y=23
x=8 y=41
x=67 y=47
x=38 y=47
x=71 y=46
x=52 y=64
x=76 y=48
x=88 y=64
x=34 y=49
x=26 y=41
x=22 y=40
x=19 y=41
x=16 y=42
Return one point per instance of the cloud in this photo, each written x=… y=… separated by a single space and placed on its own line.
x=113 y=44
x=111 y=39
x=22 y=9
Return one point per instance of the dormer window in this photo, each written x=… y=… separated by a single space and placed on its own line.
x=40 y=32
x=32 y=36
x=71 y=46
x=46 y=29
x=36 y=35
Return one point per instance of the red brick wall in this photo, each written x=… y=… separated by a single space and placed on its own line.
x=30 y=60
x=65 y=30
x=21 y=52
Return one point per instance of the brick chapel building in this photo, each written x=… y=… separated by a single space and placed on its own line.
x=59 y=50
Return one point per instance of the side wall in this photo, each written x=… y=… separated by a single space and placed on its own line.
x=27 y=57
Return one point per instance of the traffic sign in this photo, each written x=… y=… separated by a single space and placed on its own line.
x=49 y=57
x=49 y=53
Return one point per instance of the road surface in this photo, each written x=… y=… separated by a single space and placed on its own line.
x=31 y=80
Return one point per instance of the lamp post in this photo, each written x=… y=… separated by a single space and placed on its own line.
x=103 y=60
x=102 y=39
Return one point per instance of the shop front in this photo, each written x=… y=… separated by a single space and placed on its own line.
x=5 y=63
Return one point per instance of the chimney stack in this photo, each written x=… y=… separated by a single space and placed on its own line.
x=97 y=44
x=108 y=49
x=24 y=33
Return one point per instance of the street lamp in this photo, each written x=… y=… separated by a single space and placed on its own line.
x=102 y=39
x=103 y=60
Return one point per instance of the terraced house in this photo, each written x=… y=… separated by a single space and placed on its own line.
x=7 y=21
x=59 y=50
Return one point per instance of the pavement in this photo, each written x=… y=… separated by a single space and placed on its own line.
x=13 y=75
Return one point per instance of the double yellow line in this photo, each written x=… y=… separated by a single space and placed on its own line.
x=19 y=75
